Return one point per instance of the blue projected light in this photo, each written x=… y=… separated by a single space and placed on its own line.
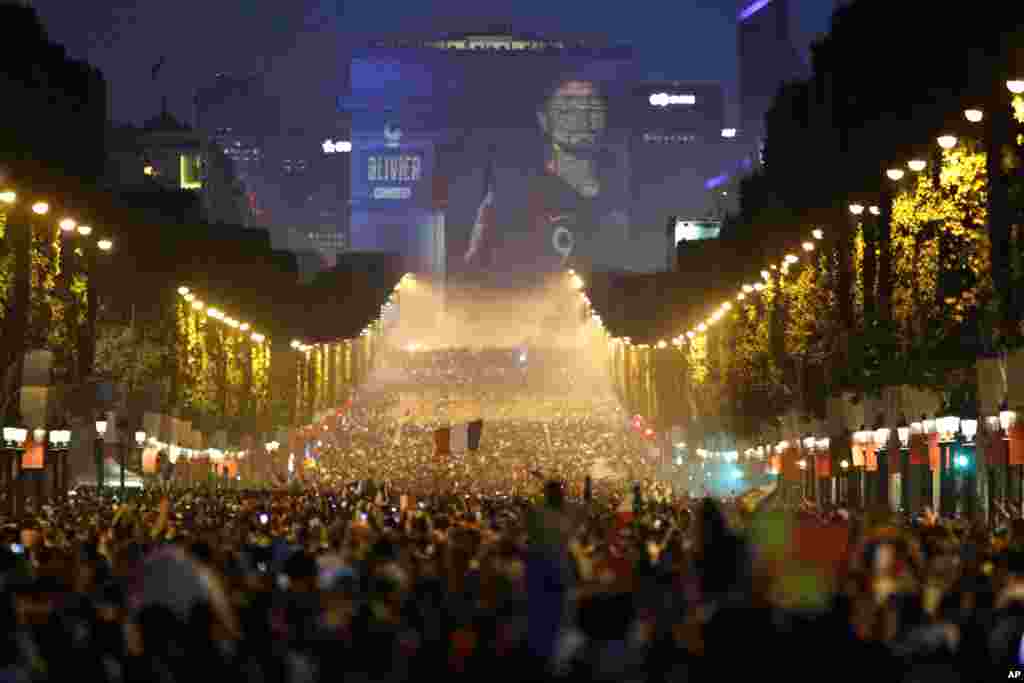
x=961 y=461
x=716 y=181
x=737 y=473
x=753 y=8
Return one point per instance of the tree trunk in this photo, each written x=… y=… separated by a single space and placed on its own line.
x=884 y=237
x=869 y=269
x=19 y=232
x=998 y=134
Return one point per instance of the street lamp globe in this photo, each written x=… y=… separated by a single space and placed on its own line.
x=68 y=225
x=1015 y=86
x=856 y=209
x=101 y=428
x=917 y=165
x=974 y=115
x=140 y=437
x=947 y=141
x=8 y=196
x=895 y=173
x=41 y=208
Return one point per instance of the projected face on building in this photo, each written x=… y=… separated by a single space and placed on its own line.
x=573 y=119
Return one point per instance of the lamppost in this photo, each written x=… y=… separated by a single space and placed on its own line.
x=140 y=443
x=60 y=442
x=824 y=448
x=903 y=434
x=881 y=439
x=811 y=477
x=271 y=448
x=862 y=440
x=1015 y=484
x=14 y=441
x=948 y=426
x=101 y=435
x=844 y=482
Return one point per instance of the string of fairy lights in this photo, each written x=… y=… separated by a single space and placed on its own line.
x=214 y=313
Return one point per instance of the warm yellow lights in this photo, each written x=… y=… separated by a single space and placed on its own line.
x=818 y=234
x=759 y=287
x=8 y=196
x=296 y=344
x=764 y=274
x=147 y=170
x=895 y=173
x=198 y=305
x=662 y=344
x=258 y=338
x=917 y=165
x=791 y=258
x=874 y=210
x=41 y=208
x=214 y=313
x=244 y=327
x=190 y=297
x=748 y=288
x=577 y=282
x=1015 y=86
x=727 y=306
x=68 y=225
x=947 y=141
x=808 y=246
x=84 y=230
x=741 y=296
x=690 y=334
x=183 y=291
x=105 y=245
x=702 y=327
x=974 y=115
x=856 y=209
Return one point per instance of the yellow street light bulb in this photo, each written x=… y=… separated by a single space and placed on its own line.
x=234 y=323
x=727 y=305
x=577 y=282
x=68 y=225
x=662 y=344
x=741 y=296
x=808 y=246
x=213 y=312
x=296 y=344
x=895 y=173
x=874 y=210
x=8 y=196
x=917 y=165
x=244 y=327
x=183 y=291
x=759 y=287
x=1015 y=86
x=258 y=338
x=974 y=115
x=105 y=245
x=198 y=305
x=818 y=234
x=41 y=208
x=190 y=297
x=703 y=327
x=691 y=334
x=791 y=258
x=765 y=274
x=947 y=141
x=84 y=230
x=748 y=288
x=856 y=209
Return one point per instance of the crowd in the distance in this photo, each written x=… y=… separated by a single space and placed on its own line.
x=368 y=584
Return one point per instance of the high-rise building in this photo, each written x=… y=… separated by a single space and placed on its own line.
x=768 y=58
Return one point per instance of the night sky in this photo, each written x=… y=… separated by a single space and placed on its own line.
x=300 y=43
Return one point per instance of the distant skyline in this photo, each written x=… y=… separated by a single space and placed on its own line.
x=301 y=45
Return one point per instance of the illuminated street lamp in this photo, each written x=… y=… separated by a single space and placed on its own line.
x=895 y=173
x=917 y=165
x=874 y=210
x=947 y=141
x=84 y=230
x=856 y=209
x=974 y=115
x=8 y=196
x=808 y=246
x=818 y=233
x=101 y=433
x=1015 y=86
x=41 y=208
x=68 y=225
x=105 y=245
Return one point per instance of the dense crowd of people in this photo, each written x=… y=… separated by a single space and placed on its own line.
x=378 y=561
x=367 y=583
